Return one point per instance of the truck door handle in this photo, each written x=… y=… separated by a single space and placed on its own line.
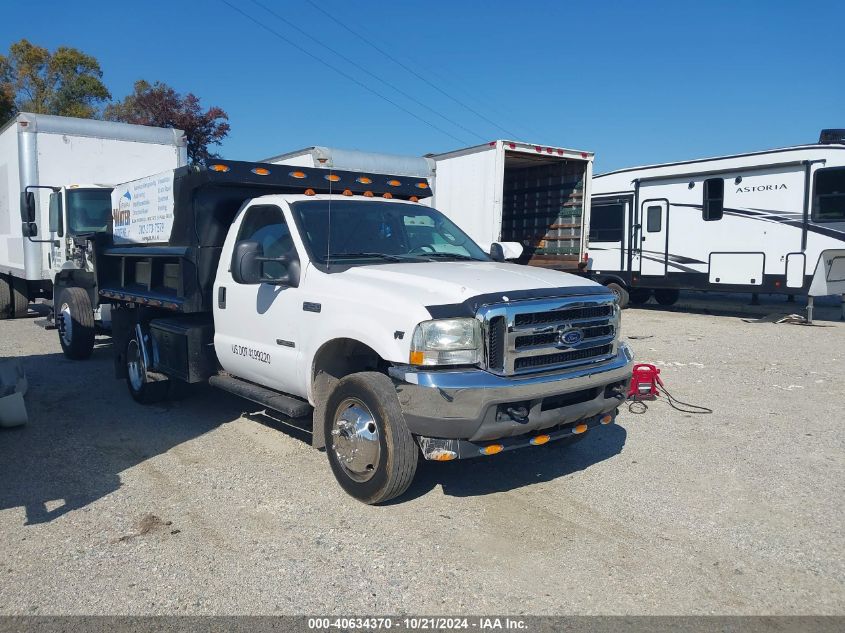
x=221 y=297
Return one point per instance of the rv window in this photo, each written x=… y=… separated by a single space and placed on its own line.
x=829 y=195
x=606 y=222
x=654 y=219
x=714 y=199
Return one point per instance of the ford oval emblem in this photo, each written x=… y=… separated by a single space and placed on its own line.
x=571 y=337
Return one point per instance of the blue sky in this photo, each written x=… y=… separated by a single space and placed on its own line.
x=636 y=82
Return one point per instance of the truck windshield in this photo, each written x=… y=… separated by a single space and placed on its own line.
x=378 y=232
x=88 y=210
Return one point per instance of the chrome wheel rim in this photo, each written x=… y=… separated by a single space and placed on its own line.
x=134 y=365
x=355 y=440
x=66 y=325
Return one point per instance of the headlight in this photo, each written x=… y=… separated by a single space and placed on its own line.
x=446 y=342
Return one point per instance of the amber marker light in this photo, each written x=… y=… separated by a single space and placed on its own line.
x=607 y=419
x=218 y=167
x=260 y=171
x=540 y=439
x=492 y=449
x=581 y=428
x=298 y=174
x=364 y=180
x=444 y=456
x=310 y=192
x=387 y=195
x=332 y=177
x=368 y=194
x=422 y=185
x=393 y=183
x=347 y=192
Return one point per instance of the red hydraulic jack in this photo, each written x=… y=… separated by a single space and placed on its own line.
x=644 y=382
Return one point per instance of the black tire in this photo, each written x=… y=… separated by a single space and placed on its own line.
x=20 y=298
x=667 y=296
x=638 y=296
x=396 y=461
x=5 y=297
x=620 y=292
x=141 y=389
x=75 y=323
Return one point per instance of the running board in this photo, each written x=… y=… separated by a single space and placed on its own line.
x=288 y=405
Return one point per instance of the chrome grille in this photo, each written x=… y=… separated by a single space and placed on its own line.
x=529 y=336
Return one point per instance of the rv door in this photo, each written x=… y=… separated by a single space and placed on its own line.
x=650 y=238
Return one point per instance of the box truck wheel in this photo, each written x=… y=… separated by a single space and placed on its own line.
x=20 y=297
x=667 y=296
x=5 y=297
x=141 y=388
x=75 y=323
x=371 y=452
x=620 y=292
x=638 y=296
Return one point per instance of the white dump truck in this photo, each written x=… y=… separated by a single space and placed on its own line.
x=340 y=295
x=56 y=175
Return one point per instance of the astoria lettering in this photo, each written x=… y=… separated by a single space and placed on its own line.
x=760 y=188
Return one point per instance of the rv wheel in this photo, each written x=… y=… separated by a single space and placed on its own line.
x=620 y=292
x=371 y=451
x=638 y=296
x=75 y=323
x=667 y=296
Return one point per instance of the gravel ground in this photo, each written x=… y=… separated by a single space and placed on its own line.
x=205 y=506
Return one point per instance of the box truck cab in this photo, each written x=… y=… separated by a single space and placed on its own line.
x=341 y=295
x=48 y=206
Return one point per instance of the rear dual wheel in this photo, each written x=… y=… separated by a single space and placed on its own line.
x=14 y=298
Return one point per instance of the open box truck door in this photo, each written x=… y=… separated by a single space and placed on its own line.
x=533 y=195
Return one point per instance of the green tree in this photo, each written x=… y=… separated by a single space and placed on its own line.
x=7 y=92
x=160 y=105
x=66 y=82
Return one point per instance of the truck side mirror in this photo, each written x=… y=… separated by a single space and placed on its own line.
x=27 y=207
x=29 y=229
x=56 y=219
x=497 y=253
x=246 y=269
x=250 y=267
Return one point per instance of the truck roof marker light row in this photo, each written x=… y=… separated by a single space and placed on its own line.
x=260 y=171
x=219 y=167
x=539 y=440
x=491 y=449
x=298 y=175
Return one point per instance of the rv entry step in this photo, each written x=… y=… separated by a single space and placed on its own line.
x=288 y=405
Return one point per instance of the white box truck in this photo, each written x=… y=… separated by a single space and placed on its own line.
x=533 y=199
x=67 y=166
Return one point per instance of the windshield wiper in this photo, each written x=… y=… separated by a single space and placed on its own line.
x=386 y=256
x=448 y=256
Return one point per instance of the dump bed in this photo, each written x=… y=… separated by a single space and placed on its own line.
x=168 y=229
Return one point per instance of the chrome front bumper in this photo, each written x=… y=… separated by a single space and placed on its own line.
x=473 y=404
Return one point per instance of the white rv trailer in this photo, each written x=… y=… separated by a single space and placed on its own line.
x=761 y=222
x=55 y=157
x=533 y=199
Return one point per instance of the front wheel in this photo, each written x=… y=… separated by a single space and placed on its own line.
x=141 y=388
x=75 y=323
x=370 y=449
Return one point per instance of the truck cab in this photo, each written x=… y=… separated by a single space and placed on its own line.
x=370 y=311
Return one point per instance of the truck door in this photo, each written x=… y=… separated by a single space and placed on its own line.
x=652 y=236
x=256 y=325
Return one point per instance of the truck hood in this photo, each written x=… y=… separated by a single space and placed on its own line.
x=438 y=283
